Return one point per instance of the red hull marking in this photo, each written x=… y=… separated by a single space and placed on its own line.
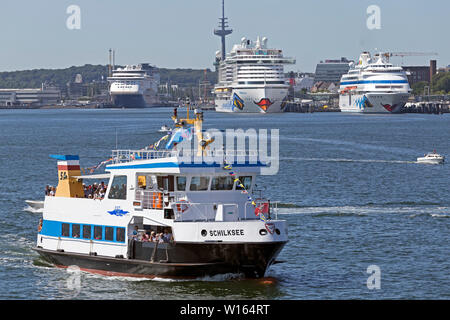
x=388 y=107
x=264 y=103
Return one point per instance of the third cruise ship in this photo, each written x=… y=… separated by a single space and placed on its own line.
x=374 y=86
x=251 y=78
x=134 y=86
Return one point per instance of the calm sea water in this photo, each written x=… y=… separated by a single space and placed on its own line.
x=354 y=198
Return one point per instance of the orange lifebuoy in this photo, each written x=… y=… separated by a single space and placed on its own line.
x=182 y=207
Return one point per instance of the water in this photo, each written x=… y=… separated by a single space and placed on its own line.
x=353 y=197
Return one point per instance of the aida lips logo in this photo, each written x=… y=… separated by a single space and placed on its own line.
x=264 y=103
x=388 y=107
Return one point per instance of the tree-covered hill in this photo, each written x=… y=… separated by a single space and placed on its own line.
x=60 y=77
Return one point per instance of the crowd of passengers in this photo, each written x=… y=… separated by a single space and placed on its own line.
x=92 y=191
x=95 y=191
x=165 y=236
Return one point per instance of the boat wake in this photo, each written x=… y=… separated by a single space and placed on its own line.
x=348 y=160
x=33 y=210
x=366 y=210
x=215 y=278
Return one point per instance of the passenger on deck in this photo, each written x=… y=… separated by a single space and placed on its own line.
x=52 y=191
x=153 y=237
x=47 y=190
x=40 y=225
x=145 y=237
x=135 y=234
x=167 y=237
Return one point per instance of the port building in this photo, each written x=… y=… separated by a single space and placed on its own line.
x=331 y=70
x=29 y=97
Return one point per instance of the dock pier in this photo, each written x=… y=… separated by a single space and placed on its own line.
x=429 y=107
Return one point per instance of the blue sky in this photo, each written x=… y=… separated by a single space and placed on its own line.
x=179 y=33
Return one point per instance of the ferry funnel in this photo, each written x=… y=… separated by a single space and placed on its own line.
x=68 y=167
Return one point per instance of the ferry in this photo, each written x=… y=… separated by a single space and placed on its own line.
x=135 y=86
x=251 y=78
x=374 y=86
x=203 y=212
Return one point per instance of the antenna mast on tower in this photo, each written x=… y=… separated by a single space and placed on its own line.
x=223 y=31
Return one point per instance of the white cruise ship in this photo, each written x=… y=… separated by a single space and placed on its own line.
x=251 y=79
x=134 y=86
x=374 y=86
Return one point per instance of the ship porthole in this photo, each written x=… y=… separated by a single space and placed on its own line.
x=277 y=231
x=204 y=233
x=263 y=232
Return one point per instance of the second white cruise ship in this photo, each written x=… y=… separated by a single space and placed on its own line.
x=251 y=78
x=374 y=86
x=134 y=86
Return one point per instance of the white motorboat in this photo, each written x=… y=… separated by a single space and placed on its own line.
x=164 y=128
x=431 y=158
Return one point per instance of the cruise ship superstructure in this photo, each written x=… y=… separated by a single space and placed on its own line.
x=251 y=78
x=374 y=85
x=134 y=86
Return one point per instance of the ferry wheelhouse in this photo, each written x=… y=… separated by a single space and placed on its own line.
x=212 y=223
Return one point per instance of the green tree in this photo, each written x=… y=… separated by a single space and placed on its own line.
x=441 y=83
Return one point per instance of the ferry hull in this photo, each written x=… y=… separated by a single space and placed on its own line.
x=182 y=260
x=373 y=102
x=254 y=100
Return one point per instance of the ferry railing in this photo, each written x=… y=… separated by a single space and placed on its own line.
x=200 y=211
x=207 y=211
x=127 y=155
x=120 y=156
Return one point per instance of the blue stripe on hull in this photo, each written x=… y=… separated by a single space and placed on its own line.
x=373 y=81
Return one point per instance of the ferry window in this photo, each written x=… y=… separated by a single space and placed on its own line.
x=222 y=183
x=166 y=183
x=75 y=231
x=98 y=234
x=142 y=182
x=120 y=234
x=181 y=183
x=65 y=230
x=199 y=183
x=109 y=233
x=87 y=231
x=246 y=181
x=118 y=188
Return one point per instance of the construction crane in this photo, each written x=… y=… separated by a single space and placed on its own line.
x=405 y=54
